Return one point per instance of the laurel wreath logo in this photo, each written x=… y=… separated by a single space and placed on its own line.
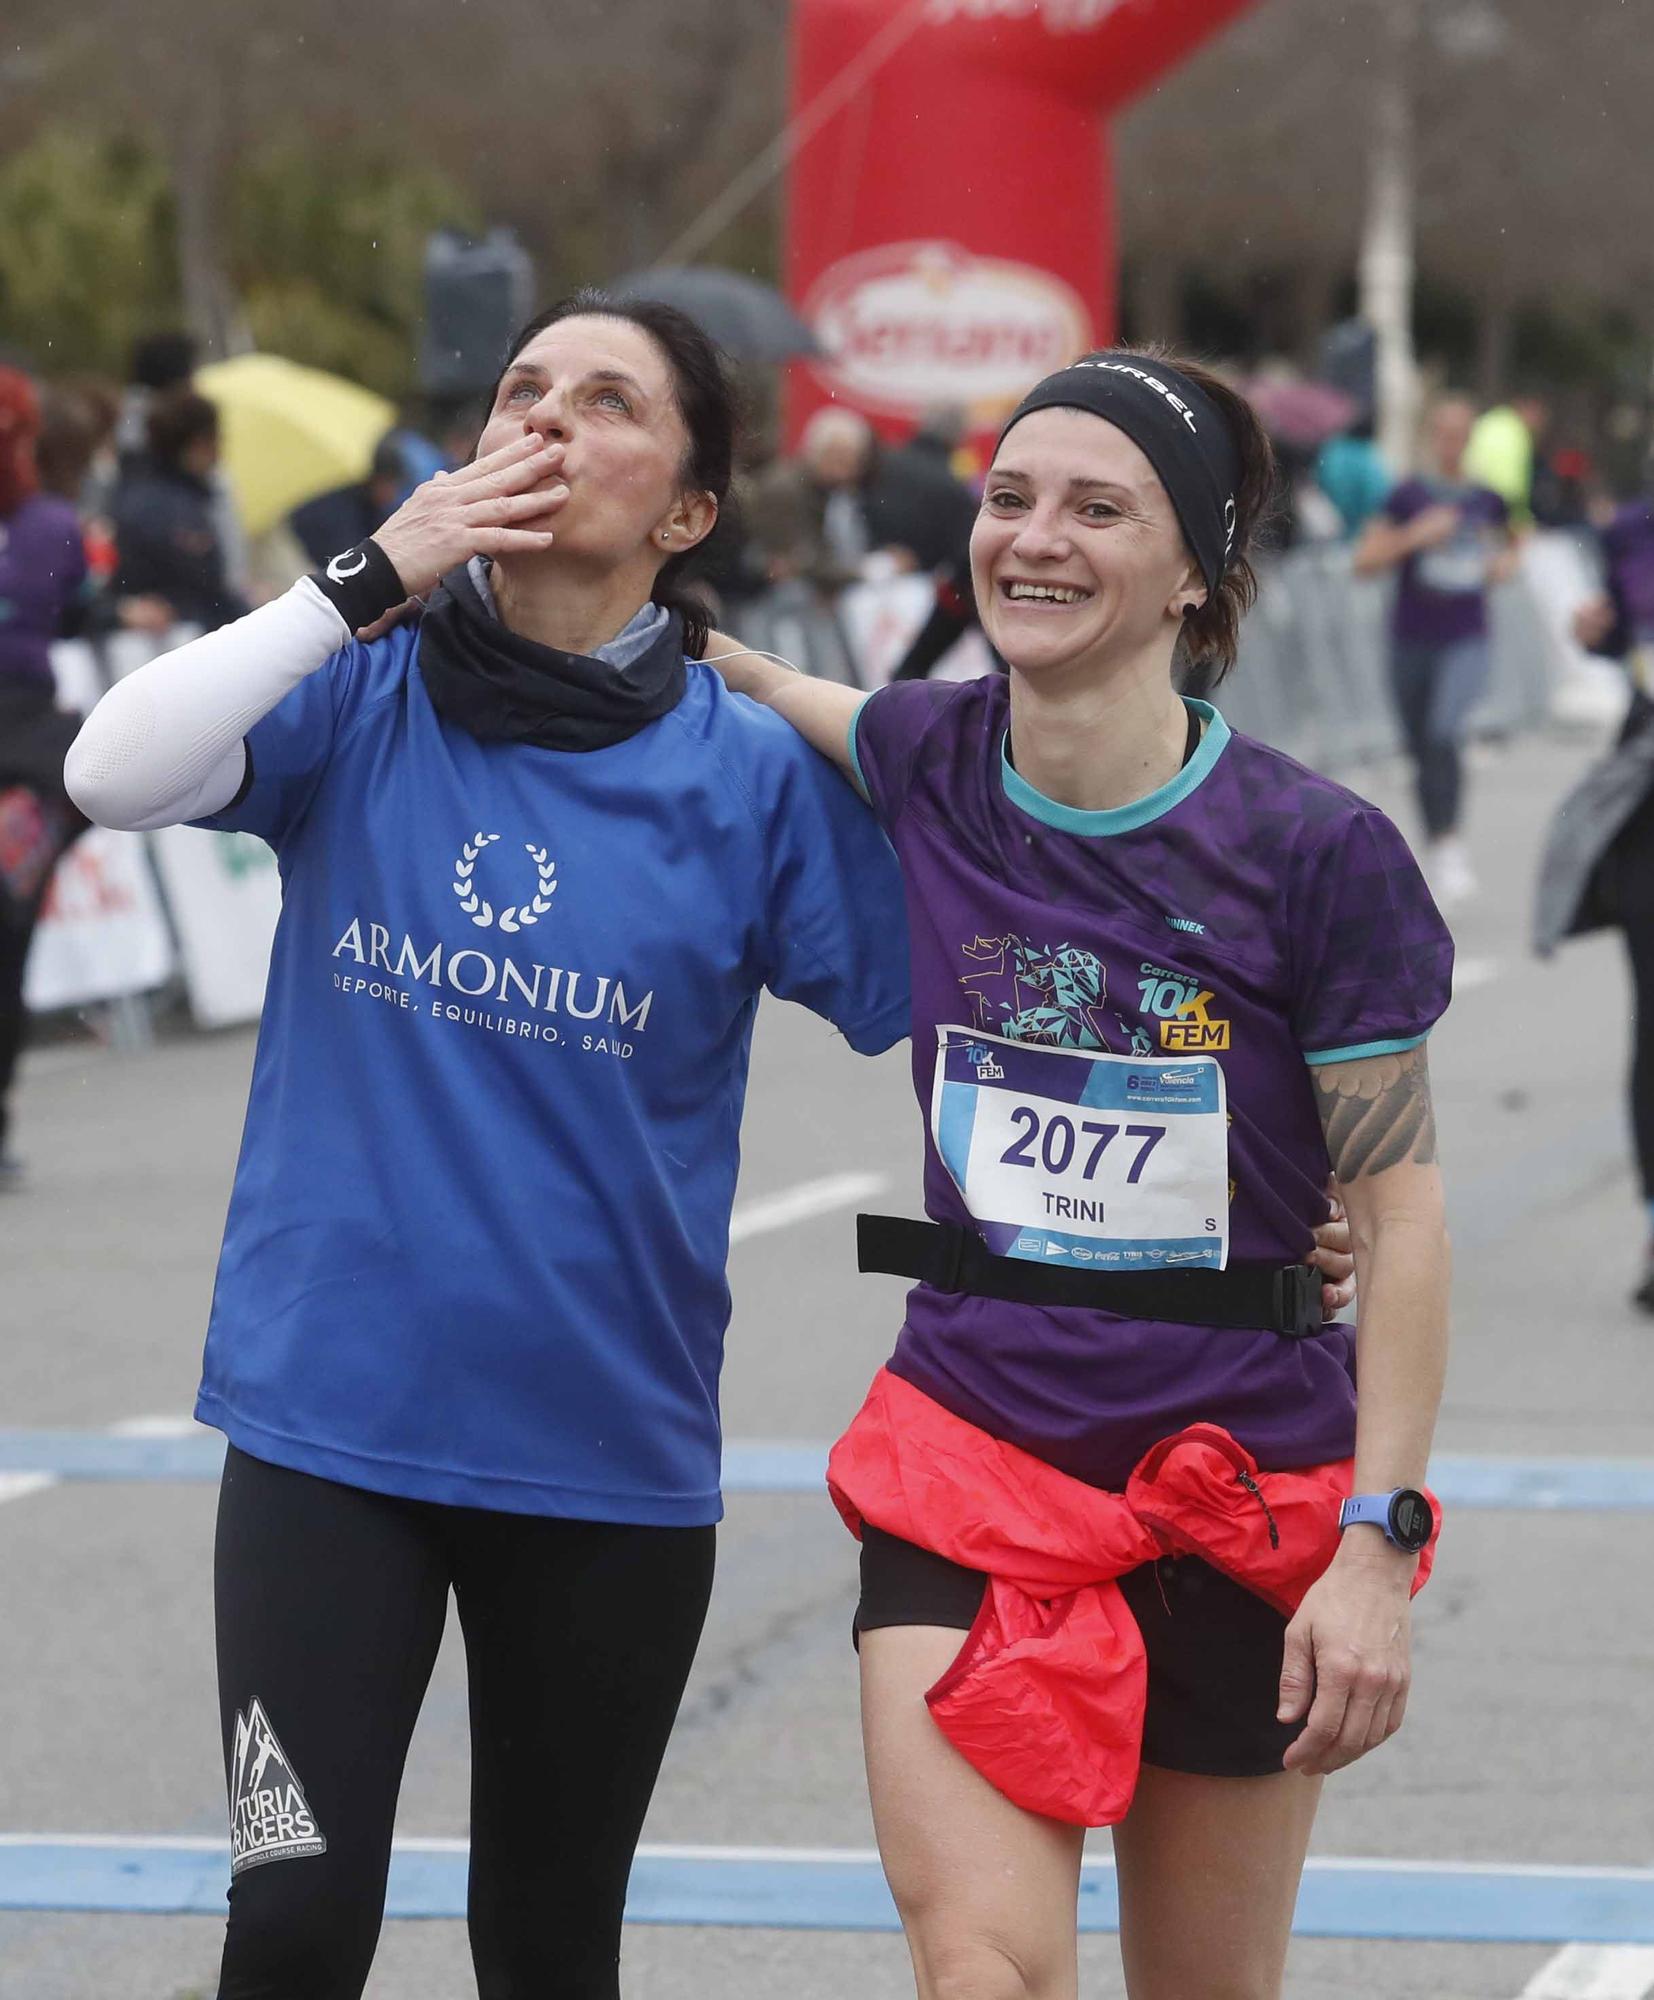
x=513 y=916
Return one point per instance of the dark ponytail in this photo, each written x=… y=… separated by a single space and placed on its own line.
x=706 y=402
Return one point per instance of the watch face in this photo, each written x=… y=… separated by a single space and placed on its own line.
x=1411 y=1519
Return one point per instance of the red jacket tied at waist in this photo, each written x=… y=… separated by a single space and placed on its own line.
x=1046 y=1695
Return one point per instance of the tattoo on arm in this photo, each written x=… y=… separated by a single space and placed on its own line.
x=1377 y=1113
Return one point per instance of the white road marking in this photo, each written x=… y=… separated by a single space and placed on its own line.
x=802 y=1203
x=18 y=1485
x=1594 y=1972
x=206 y=1843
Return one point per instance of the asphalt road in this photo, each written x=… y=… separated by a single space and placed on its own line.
x=1531 y=1735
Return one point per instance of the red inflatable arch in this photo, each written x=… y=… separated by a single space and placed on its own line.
x=950 y=224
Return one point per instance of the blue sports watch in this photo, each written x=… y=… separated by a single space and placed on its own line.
x=1406 y=1516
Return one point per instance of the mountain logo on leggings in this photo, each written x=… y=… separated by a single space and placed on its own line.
x=270 y=1818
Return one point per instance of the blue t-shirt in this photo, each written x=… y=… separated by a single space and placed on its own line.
x=475 y=1251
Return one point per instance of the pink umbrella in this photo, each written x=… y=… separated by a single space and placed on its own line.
x=1296 y=412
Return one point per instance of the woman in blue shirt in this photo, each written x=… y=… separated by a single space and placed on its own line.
x=537 y=866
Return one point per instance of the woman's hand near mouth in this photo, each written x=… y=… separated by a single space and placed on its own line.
x=499 y=505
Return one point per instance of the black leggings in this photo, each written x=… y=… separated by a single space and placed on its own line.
x=330 y=1606
x=1436 y=689
x=36 y=831
x=1639 y=943
x=16 y=931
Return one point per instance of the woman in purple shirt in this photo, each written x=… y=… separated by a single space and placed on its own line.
x=42 y=586
x=1449 y=540
x=1100 y=872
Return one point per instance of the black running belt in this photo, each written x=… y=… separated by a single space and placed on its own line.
x=1277 y=1298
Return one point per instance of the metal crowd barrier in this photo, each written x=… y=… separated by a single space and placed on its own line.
x=795 y=621
x=1313 y=677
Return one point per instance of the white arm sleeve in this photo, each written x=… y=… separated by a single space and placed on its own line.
x=165 y=744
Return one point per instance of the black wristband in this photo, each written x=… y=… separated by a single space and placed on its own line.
x=361 y=584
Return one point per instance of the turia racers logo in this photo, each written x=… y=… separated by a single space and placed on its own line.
x=270 y=1818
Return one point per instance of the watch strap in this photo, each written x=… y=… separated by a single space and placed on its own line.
x=1368 y=1507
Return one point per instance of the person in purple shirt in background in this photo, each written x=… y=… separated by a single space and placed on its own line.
x=1450 y=539
x=43 y=587
x=1110 y=892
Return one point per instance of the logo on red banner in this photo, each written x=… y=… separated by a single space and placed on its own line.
x=911 y=325
x=1070 y=17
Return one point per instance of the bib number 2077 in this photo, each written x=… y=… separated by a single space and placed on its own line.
x=1081 y=1157
x=1061 y=1139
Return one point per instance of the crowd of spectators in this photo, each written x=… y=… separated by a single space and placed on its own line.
x=847 y=506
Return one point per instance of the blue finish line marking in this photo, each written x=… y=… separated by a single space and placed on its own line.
x=1538 y=1485
x=843 y=1890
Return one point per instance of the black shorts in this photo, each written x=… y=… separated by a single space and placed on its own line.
x=1214 y=1649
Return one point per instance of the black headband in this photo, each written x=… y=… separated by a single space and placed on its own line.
x=1176 y=425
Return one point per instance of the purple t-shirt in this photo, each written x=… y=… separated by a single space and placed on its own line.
x=1250 y=910
x=1441 y=593
x=1628 y=550
x=42 y=571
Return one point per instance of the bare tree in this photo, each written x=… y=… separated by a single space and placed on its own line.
x=1526 y=120
x=601 y=128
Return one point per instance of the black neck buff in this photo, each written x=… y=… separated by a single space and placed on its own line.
x=1177 y=427
x=502 y=688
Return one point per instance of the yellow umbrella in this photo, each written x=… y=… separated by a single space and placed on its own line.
x=290 y=433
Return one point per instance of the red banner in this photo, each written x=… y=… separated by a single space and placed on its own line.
x=949 y=215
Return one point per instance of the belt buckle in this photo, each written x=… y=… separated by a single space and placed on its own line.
x=1298 y=1302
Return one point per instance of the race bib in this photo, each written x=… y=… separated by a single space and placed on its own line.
x=1067 y=1156
x=1456 y=568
